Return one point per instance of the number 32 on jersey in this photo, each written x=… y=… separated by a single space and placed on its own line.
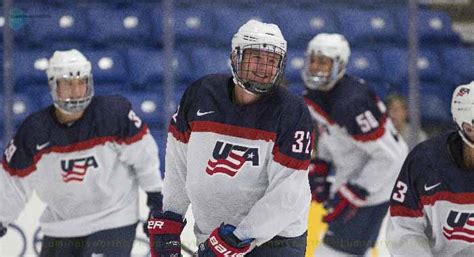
x=303 y=142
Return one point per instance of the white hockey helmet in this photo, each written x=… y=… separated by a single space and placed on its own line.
x=333 y=46
x=70 y=64
x=258 y=36
x=462 y=109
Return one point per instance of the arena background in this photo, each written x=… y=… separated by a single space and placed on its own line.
x=137 y=53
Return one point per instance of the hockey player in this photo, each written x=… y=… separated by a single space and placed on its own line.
x=85 y=157
x=431 y=209
x=358 y=140
x=238 y=151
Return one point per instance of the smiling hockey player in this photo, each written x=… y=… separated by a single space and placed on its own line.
x=238 y=151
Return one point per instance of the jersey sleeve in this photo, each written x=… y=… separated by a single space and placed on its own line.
x=363 y=116
x=18 y=162
x=373 y=132
x=407 y=221
x=174 y=191
x=287 y=198
x=138 y=148
x=19 y=157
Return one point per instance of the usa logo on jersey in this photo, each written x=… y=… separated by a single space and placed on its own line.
x=76 y=169
x=230 y=158
x=460 y=226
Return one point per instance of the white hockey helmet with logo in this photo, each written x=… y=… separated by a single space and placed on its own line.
x=462 y=109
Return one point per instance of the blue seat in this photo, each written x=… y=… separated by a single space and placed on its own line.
x=365 y=64
x=61 y=24
x=193 y=24
x=178 y=94
x=110 y=89
x=435 y=101
x=30 y=68
x=64 y=46
x=108 y=66
x=209 y=61
x=459 y=64
x=182 y=66
x=22 y=107
x=147 y=68
x=395 y=64
x=145 y=65
x=294 y=65
x=147 y=106
x=362 y=27
x=299 y=25
x=39 y=94
x=381 y=88
x=232 y=18
x=111 y=26
x=296 y=88
x=434 y=27
x=156 y=21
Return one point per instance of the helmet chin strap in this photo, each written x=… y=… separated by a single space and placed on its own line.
x=242 y=86
x=466 y=139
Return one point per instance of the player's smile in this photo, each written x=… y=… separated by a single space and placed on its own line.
x=260 y=75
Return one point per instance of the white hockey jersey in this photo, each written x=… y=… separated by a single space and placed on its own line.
x=432 y=204
x=87 y=173
x=241 y=165
x=357 y=137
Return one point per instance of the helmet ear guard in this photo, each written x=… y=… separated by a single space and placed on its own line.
x=262 y=37
x=69 y=65
x=462 y=110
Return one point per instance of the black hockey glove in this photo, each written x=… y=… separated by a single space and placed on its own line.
x=3 y=230
x=318 y=180
x=346 y=202
x=222 y=242
x=155 y=203
x=165 y=233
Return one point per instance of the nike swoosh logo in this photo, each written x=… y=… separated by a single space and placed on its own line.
x=41 y=147
x=199 y=113
x=428 y=188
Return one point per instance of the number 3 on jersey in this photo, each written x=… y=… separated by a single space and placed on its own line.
x=303 y=142
x=399 y=194
x=134 y=117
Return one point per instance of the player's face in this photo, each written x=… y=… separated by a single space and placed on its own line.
x=397 y=112
x=259 y=66
x=319 y=65
x=74 y=88
x=468 y=131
